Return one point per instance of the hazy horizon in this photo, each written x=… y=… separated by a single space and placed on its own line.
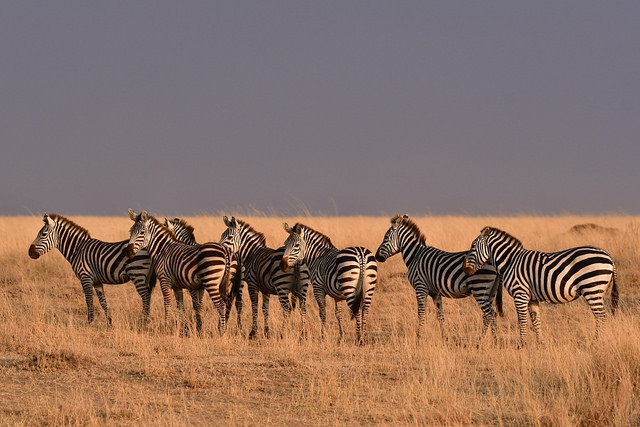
x=358 y=108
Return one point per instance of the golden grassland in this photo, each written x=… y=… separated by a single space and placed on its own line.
x=56 y=369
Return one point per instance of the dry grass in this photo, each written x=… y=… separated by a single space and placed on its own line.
x=56 y=369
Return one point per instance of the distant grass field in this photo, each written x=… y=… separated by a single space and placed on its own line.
x=55 y=369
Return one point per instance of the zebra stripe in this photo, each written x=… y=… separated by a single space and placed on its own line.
x=436 y=273
x=95 y=263
x=184 y=233
x=349 y=274
x=208 y=266
x=261 y=271
x=532 y=277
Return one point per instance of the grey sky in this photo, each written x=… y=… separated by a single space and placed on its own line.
x=357 y=107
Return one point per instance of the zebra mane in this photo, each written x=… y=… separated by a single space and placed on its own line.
x=160 y=225
x=66 y=222
x=183 y=224
x=403 y=219
x=324 y=240
x=491 y=230
x=260 y=236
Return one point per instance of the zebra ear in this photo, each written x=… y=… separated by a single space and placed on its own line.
x=287 y=228
x=49 y=221
x=132 y=214
x=144 y=215
x=226 y=221
x=405 y=216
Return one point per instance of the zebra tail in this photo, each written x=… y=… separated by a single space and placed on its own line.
x=357 y=303
x=236 y=284
x=152 y=279
x=499 y=296
x=296 y=279
x=615 y=295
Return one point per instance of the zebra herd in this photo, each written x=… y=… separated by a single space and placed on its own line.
x=167 y=252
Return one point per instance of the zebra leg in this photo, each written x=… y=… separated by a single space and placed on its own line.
x=339 y=319
x=521 y=301
x=239 y=304
x=218 y=302
x=165 y=287
x=253 y=296
x=179 y=296
x=87 y=289
x=421 y=297
x=437 y=301
x=596 y=304
x=265 y=314
x=534 y=313
x=283 y=297
x=303 y=312
x=196 y=302
x=143 y=289
x=322 y=310
x=103 y=301
x=488 y=314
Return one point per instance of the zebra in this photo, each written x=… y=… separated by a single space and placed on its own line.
x=348 y=274
x=436 y=273
x=532 y=277
x=95 y=263
x=184 y=233
x=209 y=266
x=262 y=273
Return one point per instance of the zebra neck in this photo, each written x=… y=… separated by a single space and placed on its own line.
x=315 y=254
x=409 y=247
x=69 y=240
x=158 y=240
x=501 y=256
x=249 y=248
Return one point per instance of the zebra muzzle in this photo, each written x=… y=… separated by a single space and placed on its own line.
x=380 y=258
x=284 y=264
x=33 y=252
x=130 y=251
x=468 y=270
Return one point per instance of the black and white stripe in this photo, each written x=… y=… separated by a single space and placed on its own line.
x=348 y=274
x=436 y=273
x=184 y=233
x=209 y=266
x=532 y=277
x=95 y=262
x=261 y=271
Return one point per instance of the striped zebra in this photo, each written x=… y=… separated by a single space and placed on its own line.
x=184 y=233
x=209 y=266
x=532 y=277
x=344 y=274
x=436 y=273
x=261 y=271
x=95 y=262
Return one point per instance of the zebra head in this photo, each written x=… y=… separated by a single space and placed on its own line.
x=391 y=242
x=231 y=237
x=46 y=239
x=139 y=233
x=479 y=254
x=294 y=247
x=181 y=230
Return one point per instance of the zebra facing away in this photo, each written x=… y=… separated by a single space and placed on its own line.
x=184 y=233
x=532 y=277
x=95 y=262
x=209 y=266
x=261 y=271
x=344 y=274
x=436 y=273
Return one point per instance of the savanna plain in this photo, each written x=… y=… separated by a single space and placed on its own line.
x=55 y=369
